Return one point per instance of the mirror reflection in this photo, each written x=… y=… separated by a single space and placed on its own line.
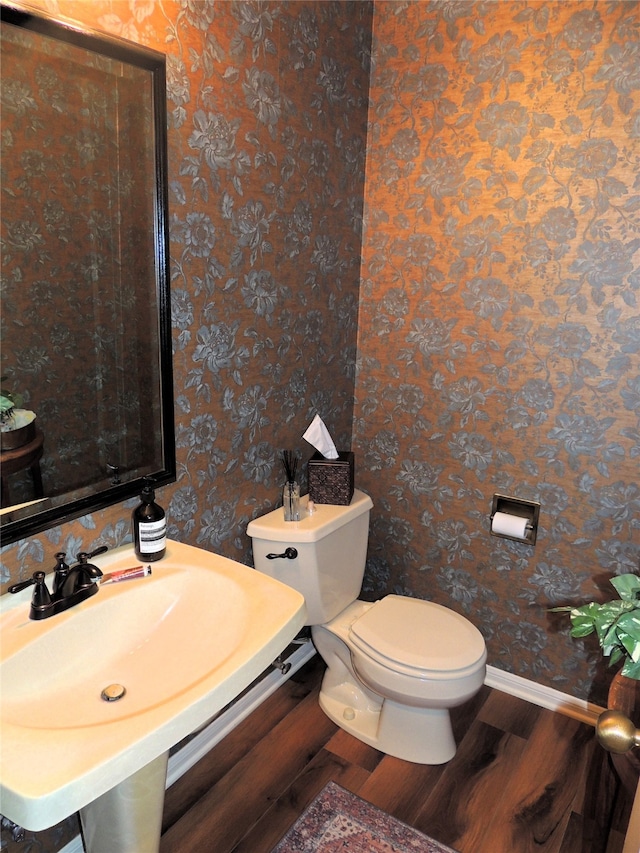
x=85 y=343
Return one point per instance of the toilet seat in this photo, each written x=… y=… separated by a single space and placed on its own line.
x=417 y=638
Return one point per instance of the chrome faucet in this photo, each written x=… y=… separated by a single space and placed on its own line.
x=70 y=585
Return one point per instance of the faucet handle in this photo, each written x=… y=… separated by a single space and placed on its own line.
x=41 y=597
x=83 y=556
x=18 y=587
x=42 y=604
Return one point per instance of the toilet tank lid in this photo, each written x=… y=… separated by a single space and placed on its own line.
x=310 y=528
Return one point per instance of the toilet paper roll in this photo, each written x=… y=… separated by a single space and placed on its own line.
x=509 y=525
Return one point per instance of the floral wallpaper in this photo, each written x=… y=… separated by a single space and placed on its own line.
x=267 y=108
x=267 y=133
x=499 y=326
x=472 y=329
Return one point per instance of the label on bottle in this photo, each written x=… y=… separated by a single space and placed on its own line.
x=152 y=536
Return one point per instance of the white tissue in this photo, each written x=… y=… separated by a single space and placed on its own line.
x=509 y=525
x=318 y=435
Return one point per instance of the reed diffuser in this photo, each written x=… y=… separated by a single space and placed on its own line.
x=291 y=490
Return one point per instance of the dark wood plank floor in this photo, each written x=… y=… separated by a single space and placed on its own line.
x=523 y=779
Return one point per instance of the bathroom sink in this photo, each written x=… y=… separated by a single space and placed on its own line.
x=183 y=642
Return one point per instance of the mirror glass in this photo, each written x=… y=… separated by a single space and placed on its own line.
x=85 y=296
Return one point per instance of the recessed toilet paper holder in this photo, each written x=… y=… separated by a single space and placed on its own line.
x=529 y=510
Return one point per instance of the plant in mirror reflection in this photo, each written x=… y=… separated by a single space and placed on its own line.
x=9 y=401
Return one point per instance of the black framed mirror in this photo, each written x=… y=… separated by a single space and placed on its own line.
x=86 y=320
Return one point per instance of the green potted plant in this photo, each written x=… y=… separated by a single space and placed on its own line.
x=17 y=425
x=8 y=402
x=616 y=623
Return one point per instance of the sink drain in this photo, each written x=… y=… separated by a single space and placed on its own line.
x=113 y=692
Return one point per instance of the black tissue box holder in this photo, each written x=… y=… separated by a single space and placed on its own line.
x=331 y=480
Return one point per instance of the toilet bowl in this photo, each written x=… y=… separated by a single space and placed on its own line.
x=395 y=667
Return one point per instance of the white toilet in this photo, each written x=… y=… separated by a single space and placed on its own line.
x=394 y=667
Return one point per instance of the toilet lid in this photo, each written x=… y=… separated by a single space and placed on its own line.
x=417 y=634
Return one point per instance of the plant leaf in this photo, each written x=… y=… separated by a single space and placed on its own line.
x=610 y=638
x=631 y=669
x=605 y=617
x=583 y=620
x=616 y=655
x=628 y=630
x=627 y=586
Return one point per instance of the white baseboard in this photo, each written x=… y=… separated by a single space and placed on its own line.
x=221 y=726
x=545 y=697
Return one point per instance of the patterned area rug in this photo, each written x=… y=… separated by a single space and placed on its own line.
x=337 y=820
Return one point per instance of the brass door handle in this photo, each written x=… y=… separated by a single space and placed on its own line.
x=616 y=733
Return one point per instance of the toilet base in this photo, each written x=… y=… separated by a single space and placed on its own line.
x=419 y=735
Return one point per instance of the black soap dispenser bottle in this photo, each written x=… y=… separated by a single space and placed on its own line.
x=149 y=527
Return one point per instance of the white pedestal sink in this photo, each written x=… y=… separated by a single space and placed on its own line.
x=183 y=642
x=128 y=818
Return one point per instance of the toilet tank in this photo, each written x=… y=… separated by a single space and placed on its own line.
x=331 y=547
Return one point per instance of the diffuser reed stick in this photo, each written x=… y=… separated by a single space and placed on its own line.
x=291 y=491
x=290 y=463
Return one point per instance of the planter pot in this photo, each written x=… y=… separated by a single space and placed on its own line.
x=23 y=430
x=624 y=696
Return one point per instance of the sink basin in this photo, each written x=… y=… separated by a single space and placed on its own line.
x=183 y=642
